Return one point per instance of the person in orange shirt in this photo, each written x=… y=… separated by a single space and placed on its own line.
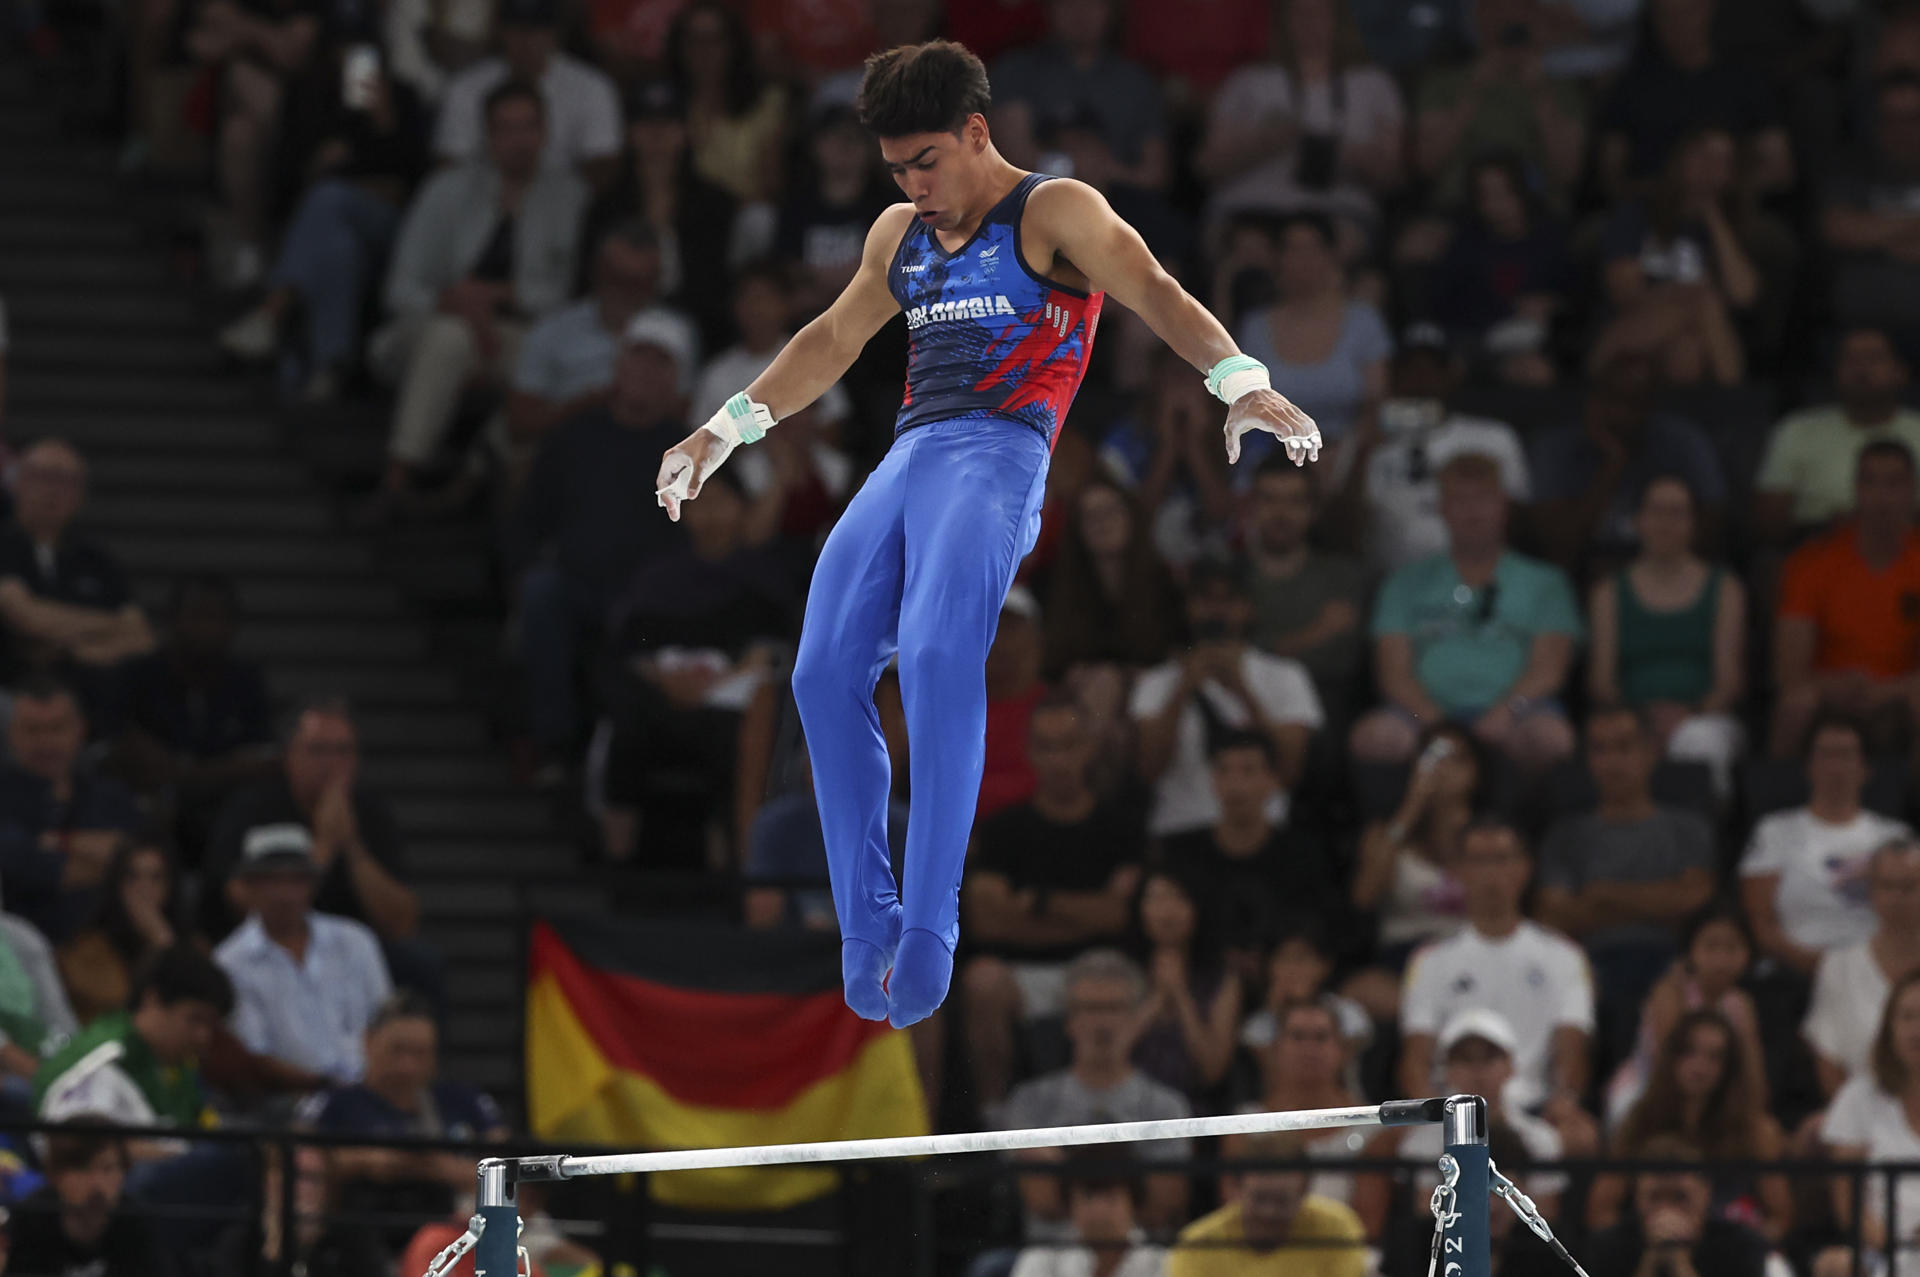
x=1847 y=638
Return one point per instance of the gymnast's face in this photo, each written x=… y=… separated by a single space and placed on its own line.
x=944 y=174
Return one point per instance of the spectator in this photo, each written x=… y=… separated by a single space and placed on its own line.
x=580 y=103
x=402 y=1097
x=140 y=1067
x=1622 y=878
x=1804 y=876
x=1419 y=436
x=1315 y=127
x=1670 y=637
x=488 y=246
x=359 y=153
x=198 y=723
x=1847 y=638
x=1326 y=351
x=1112 y=603
x=1479 y=635
x=1105 y=996
x=1221 y=682
x=320 y=1246
x=1046 y=878
x=1806 y=480
x=1850 y=984
x=1869 y=224
x=1014 y=689
x=63 y=596
x=1307 y=603
x=306 y=983
x=1304 y=1065
x=1672 y=1230
x=1505 y=275
x=60 y=821
x=694 y=222
x=1073 y=78
x=578 y=516
x=139 y=916
x=1167 y=454
x=1300 y=968
x=1109 y=1241
x=1503 y=962
x=735 y=118
x=80 y=1221
x=1868 y=1122
x=1193 y=1001
x=1407 y=875
x=825 y=216
x=1677 y=85
x=1272 y=1227
x=1588 y=478
x=1705 y=1089
x=1502 y=101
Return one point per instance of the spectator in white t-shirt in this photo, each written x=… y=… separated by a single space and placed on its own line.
x=1868 y=1122
x=1850 y=985
x=1222 y=682
x=1102 y=1208
x=1804 y=877
x=1501 y=961
x=583 y=105
x=1420 y=435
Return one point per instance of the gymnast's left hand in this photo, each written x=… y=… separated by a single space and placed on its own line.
x=1273 y=412
x=686 y=466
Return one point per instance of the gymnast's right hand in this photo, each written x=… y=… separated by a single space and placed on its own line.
x=687 y=465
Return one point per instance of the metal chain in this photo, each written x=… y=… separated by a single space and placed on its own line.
x=1529 y=1214
x=459 y=1246
x=1445 y=1205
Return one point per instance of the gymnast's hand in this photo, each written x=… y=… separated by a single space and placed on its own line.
x=686 y=466
x=1271 y=411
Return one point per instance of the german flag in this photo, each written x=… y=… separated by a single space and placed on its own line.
x=688 y=1035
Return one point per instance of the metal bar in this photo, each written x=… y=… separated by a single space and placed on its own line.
x=497 y=1253
x=1467 y=1248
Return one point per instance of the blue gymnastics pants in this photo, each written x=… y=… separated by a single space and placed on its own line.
x=919 y=564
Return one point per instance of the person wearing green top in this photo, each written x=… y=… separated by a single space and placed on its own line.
x=1478 y=635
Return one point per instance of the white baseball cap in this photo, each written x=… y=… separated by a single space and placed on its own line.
x=666 y=331
x=1478 y=1022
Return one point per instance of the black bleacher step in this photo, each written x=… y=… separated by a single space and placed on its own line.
x=247 y=517
x=190 y=355
x=430 y=859
x=495 y=984
x=407 y=731
x=21 y=269
x=466 y=943
x=51 y=233
x=63 y=192
x=443 y=579
x=38 y=391
x=216 y=476
x=270 y=597
x=480 y=1031
x=423 y=773
x=273 y=643
x=287 y=555
x=152 y=429
x=494 y=1072
x=494 y=902
x=473 y=816
x=366 y=686
x=135 y=310
x=560 y=900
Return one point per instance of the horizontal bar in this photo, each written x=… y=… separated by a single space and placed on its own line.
x=1395 y=1113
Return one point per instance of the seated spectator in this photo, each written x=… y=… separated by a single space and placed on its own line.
x=1400 y=480
x=1014 y=690
x=1105 y=995
x=1074 y=75
x=1300 y=968
x=1108 y=1240
x=140 y=1067
x=1477 y=1049
x=1326 y=351
x=1678 y=84
x=583 y=534
x=1193 y=1000
x=1588 y=478
x=1868 y=1122
x=1272 y=1227
x=361 y=149
x=401 y=1097
x=824 y=217
x=1670 y=637
x=1623 y=878
x=306 y=984
x=1308 y=604
x=1304 y=1065
x=1112 y=605
x=63 y=595
x=1506 y=274
x=488 y=246
x=1714 y=959
x=1706 y=1090
x=1478 y=635
x=1869 y=222
x=694 y=222
x=1498 y=102
x=1504 y=962
x=1221 y=682
x=35 y=1015
x=1806 y=479
x=321 y=1245
x=1407 y=872
x=1804 y=876
x=138 y=916
x=1313 y=128
x=581 y=102
x=81 y=1221
x=1850 y=984
x=736 y=117
x=1046 y=878
x=1167 y=454
x=1673 y=1228
x=786 y=863
x=198 y=722
x=60 y=821
x=1847 y=637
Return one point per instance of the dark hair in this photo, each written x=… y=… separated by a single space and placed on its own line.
x=1891 y=448
x=112 y=919
x=1321 y=1005
x=1618 y=709
x=1851 y=331
x=1490 y=822
x=766 y=270
x=1233 y=738
x=1204 y=955
x=403 y=1004
x=1105 y=1170
x=1833 y=721
x=1319 y=223
x=1732 y=1113
x=1720 y=909
x=742 y=89
x=1668 y=211
x=210 y=585
x=1083 y=623
x=1888 y=1069
x=1217 y=569
x=1277 y=463
x=1513 y=166
x=510 y=90
x=634 y=232
x=79 y=1142
x=1673 y=477
x=325 y=704
x=1894 y=81
x=182 y=974
x=1480 y=800
x=41 y=686
x=934 y=87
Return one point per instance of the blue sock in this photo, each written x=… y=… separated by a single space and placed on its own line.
x=922 y=969
x=863 y=968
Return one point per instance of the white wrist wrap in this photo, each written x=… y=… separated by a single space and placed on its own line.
x=1237 y=375
x=741 y=420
